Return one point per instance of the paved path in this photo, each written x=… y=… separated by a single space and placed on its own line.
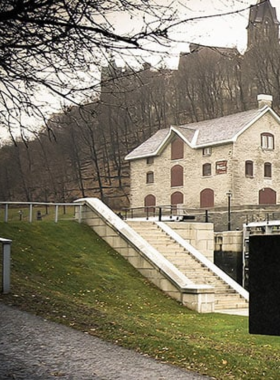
x=32 y=348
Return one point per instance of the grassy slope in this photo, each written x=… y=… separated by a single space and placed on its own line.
x=66 y=273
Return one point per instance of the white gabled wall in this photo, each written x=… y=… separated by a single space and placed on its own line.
x=244 y=190
x=248 y=147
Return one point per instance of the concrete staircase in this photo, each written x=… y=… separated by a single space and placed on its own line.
x=226 y=297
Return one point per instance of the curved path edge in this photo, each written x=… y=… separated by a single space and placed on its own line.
x=32 y=348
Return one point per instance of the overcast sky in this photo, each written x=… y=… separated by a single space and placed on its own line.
x=222 y=30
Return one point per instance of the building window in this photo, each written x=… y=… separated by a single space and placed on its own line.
x=177 y=198
x=150 y=160
x=206 y=170
x=207 y=198
x=150 y=202
x=267 y=170
x=207 y=151
x=267 y=196
x=267 y=141
x=249 y=169
x=177 y=149
x=177 y=177
x=150 y=177
x=221 y=167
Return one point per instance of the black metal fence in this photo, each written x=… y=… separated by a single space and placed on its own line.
x=156 y=212
x=223 y=218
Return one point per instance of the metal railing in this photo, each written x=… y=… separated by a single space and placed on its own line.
x=32 y=205
x=219 y=216
x=157 y=212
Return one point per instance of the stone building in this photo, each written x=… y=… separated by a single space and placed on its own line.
x=199 y=165
x=263 y=24
x=215 y=81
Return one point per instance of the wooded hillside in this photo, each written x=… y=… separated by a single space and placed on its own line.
x=83 y=153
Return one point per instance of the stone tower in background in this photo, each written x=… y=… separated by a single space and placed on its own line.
x=263 y=25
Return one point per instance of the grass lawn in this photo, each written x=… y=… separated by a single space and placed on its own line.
x=67 y=274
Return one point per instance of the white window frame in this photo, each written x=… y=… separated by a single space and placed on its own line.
x=267 y=141
x=207 y=151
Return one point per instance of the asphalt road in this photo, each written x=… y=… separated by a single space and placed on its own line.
x=32 y=348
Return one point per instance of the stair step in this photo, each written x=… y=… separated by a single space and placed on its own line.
x=225 y=296
x=229 y=306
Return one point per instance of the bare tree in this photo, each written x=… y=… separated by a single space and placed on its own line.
x=262 y=71
x=208 y=82
x=54 y=46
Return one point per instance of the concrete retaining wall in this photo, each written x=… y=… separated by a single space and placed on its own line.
x=199 y=235
x=229 y=241
x=149 y=262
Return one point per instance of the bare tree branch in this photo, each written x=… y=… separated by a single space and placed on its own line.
x=57 y=46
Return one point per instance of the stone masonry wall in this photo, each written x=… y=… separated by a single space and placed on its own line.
x=238 y=215
x=229 y=241
x=245 y=190
x=128 y=252
x=199 y=298
x=194 y=181
x=199 y=235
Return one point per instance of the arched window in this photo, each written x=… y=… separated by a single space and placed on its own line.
x=177 y=149
x=150 y=177
x=267 y=196
x=177 y=176
x=207 y=198
x=267 y=170
x=177 y=198
x=267 y=141
x=149 y=202
x=249 y=169
x=206 y=170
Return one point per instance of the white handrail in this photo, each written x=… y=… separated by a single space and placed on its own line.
x=151 y=254
x=198 y=255
x=31 y=204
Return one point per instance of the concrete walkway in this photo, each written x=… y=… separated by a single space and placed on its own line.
x=241 y=312
x=32 y=348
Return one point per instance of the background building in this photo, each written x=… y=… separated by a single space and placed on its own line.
x=199 y=164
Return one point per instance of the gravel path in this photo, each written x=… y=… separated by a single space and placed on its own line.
x=32 y=348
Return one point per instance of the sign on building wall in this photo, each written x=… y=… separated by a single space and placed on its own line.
x=221 y=167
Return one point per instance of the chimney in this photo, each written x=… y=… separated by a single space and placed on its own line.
x=264 y=100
